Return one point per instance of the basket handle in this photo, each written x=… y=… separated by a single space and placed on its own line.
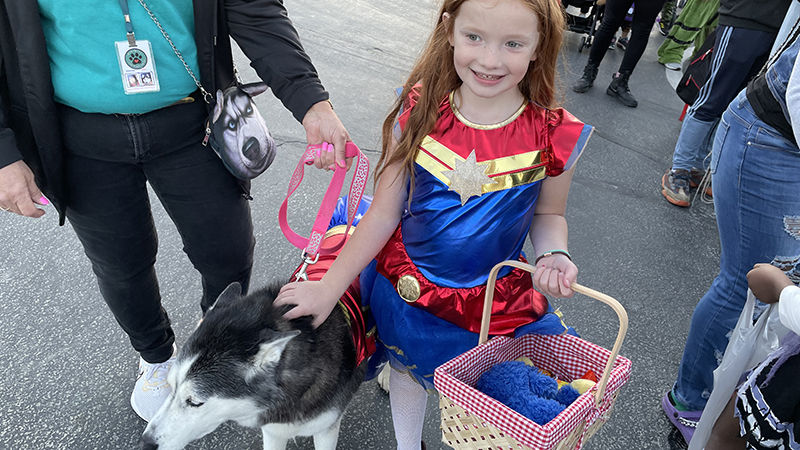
x=610 y=301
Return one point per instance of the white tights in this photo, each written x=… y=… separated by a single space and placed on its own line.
x=408 y=399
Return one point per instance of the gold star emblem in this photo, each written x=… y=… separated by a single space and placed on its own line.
x=468 y=177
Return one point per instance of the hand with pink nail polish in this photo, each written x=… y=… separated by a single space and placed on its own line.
x=18 y=191
x=323 y=126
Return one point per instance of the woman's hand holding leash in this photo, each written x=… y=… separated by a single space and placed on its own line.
x=323 y=125
x=312 y=298
x=554 y=275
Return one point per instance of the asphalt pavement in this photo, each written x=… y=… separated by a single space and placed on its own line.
x=68 y=369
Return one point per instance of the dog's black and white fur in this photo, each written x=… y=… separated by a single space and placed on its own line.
x=248 y=364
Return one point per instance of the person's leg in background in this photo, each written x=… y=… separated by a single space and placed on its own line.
x=738 y=56
x=644 y=16
x=614 y=16
x=694 y=24
x=667 y=16
x=756 y=171
x=624 y=36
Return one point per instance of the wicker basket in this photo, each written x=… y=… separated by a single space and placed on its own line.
x=471 y=420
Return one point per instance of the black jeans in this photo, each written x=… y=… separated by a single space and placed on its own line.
x=108 y=160
x=644 y=15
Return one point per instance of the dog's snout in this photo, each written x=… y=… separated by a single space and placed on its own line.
x=147 y=443
x=252 y=149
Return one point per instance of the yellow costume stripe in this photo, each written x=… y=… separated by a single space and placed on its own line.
x=508 y=171
x=339 y=229
x=515 y=179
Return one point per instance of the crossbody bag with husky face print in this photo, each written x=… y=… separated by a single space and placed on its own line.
x=235 y=129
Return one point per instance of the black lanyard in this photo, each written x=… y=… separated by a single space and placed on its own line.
x=128 y=24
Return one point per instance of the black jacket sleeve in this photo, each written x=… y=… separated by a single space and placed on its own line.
x=9 y=153
x=266 y=35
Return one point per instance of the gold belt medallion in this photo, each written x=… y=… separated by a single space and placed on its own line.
x=408 y=288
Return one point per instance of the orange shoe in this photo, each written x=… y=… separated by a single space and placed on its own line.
x=675 y=187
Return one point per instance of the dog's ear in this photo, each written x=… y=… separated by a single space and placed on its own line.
x=270 y=352
x=232 y=292
x=219 y=105
x=253 y=89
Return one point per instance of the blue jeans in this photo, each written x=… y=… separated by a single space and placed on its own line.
x=756 y=177
x=109 y=161
x=694 y=141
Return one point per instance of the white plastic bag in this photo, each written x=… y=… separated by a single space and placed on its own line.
x=750 y=344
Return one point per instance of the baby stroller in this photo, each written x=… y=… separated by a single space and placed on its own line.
x=583 y=16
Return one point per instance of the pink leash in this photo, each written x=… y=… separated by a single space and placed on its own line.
x=312 y=246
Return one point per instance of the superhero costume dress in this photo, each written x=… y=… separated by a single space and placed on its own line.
x=425 y=289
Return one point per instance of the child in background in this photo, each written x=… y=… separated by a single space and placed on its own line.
x=622 y=40
x=667 y=17
x=694 y=24
x=767 y=404
x=475 y=157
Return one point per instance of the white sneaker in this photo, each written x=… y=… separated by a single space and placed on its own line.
x=673 y=66
x=151 y=389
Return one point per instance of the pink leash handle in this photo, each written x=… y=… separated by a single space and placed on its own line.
x=312 y=246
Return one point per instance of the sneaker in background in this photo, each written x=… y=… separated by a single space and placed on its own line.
x=675 y=187
x=684 y=421
x=151 y=389
x=664 y=28
x=622 y=43
x=613 y=42
x=673 y=66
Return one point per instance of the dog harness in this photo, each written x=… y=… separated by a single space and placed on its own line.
x=350 y=301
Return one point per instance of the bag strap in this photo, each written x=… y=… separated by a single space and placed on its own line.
x=207 y=97
x=312 y=245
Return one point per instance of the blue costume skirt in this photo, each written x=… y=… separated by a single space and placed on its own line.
x=412 y=340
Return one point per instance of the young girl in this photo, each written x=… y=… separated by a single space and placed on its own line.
x=474 y=158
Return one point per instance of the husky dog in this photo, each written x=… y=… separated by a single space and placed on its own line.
x=239 y=134
x=248 y=364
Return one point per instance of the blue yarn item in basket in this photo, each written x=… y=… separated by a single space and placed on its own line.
x=526 y=390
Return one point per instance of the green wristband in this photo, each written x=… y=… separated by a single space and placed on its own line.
x=551 y=253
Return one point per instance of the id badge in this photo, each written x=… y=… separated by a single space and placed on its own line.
x=137 y=67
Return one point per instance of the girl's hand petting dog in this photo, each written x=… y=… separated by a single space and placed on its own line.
x=312 y=298
x=554 y=275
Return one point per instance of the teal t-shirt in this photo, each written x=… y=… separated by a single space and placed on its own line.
x=86 y=74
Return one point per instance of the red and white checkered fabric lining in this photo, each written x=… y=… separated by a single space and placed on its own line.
x=568 y=357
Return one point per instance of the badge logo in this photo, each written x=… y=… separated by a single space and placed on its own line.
x=135 y=58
